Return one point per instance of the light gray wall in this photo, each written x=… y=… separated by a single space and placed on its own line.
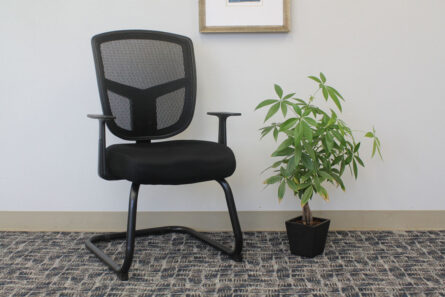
x=387 y=58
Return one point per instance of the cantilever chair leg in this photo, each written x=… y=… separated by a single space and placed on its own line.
x=122 y=271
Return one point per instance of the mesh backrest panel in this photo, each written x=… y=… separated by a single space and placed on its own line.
x=147 y=81
x=120 y=107
x=142 y=63
x=167 y=106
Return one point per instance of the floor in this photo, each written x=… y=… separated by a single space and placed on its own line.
x=354 y=264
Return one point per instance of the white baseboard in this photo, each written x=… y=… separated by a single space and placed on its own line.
x=218 y=221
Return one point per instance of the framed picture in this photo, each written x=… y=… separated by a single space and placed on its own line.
x=222 y=16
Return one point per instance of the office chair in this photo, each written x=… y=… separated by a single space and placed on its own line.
x=147 y=87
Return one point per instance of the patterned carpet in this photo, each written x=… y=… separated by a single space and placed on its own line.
x=354 y=264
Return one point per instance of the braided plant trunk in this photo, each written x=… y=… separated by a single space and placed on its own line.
x=307 y=215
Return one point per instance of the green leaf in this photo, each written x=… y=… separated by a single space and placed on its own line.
x=307 y=111
x=323 y=193
x=369 y=135
x=307 y=195
x=310 y=150
x=285 y=152
x=307 y=162
x=315 y=79
x=337 y=160
x=339 y=181
x=283 y=172
x=377 y=139
x=285 y=144
x=305 y=178
x=307 y=131
x=311 y=121
x=378 y=147
x=291 y=165
x=288 y=96
x=265 y=103
x=326 y=175
x=303 y=186
x=325 y=92
x=297 y=156
x=275 y=134
x=323 y=78
x=336 y=92
x=297 y=109
x=273 y=110
x=332 y=119
x=298 y=134
x=302 y=102
x=278 y=90
x=266 y=131
x=292 y=185
x=357 y=147
x=293 y=161
x=281 y=190
x=274 y=165
x=320 y=111
x=288 y=123
x=325 y=145
x=354 y=167
x=273 y=179
x=359 y=161
x=329 y=141
x=284 y=108
x=334 y=98
x=374 y=147
x=339 y=137
x=342 y=167
x=316 y=183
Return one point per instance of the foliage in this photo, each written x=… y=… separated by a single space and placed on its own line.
x=318 y=145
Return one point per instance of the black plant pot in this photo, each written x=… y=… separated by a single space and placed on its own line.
x=307 y=241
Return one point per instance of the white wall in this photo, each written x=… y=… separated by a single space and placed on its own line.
x=387 y=58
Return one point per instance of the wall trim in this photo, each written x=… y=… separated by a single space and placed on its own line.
x=218 y=221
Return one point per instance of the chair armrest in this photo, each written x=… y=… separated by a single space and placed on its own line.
x=222 y=116
x=101 y=117
x=102 y=166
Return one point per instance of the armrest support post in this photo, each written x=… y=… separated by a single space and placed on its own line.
x=102 y=166
x=222 y=131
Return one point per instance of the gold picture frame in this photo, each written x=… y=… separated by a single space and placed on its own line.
x=203 y=28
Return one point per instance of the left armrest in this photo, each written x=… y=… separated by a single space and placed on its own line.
x=102 y=167
x=222 y=116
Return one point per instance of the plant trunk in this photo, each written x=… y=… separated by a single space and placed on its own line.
x=307 y=215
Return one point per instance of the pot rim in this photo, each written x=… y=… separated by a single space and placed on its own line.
x=323 y=221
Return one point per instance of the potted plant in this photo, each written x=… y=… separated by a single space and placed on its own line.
x=317 y=149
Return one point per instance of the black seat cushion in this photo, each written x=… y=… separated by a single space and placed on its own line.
x=170 y=162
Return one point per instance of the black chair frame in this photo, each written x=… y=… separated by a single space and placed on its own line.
x=131 y=234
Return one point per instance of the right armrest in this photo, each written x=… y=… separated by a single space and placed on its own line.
x=101 y=117
x=222 y=116
x=102 y=166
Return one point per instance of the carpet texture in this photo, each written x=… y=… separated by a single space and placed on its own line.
x=353 y=264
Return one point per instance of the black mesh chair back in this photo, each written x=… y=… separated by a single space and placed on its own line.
x=147 y=80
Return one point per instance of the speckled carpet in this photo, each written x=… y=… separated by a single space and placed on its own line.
x=354 y=264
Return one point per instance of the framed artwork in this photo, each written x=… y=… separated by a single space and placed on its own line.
x=222 y=16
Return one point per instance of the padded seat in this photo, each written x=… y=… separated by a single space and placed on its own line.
x=170 y=162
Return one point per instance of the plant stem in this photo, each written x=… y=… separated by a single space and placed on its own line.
x=307 y=214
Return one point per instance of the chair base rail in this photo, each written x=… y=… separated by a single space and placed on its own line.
x=122 y=270
x=90 y=244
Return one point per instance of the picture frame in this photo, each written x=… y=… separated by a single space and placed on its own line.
x=244 y=16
